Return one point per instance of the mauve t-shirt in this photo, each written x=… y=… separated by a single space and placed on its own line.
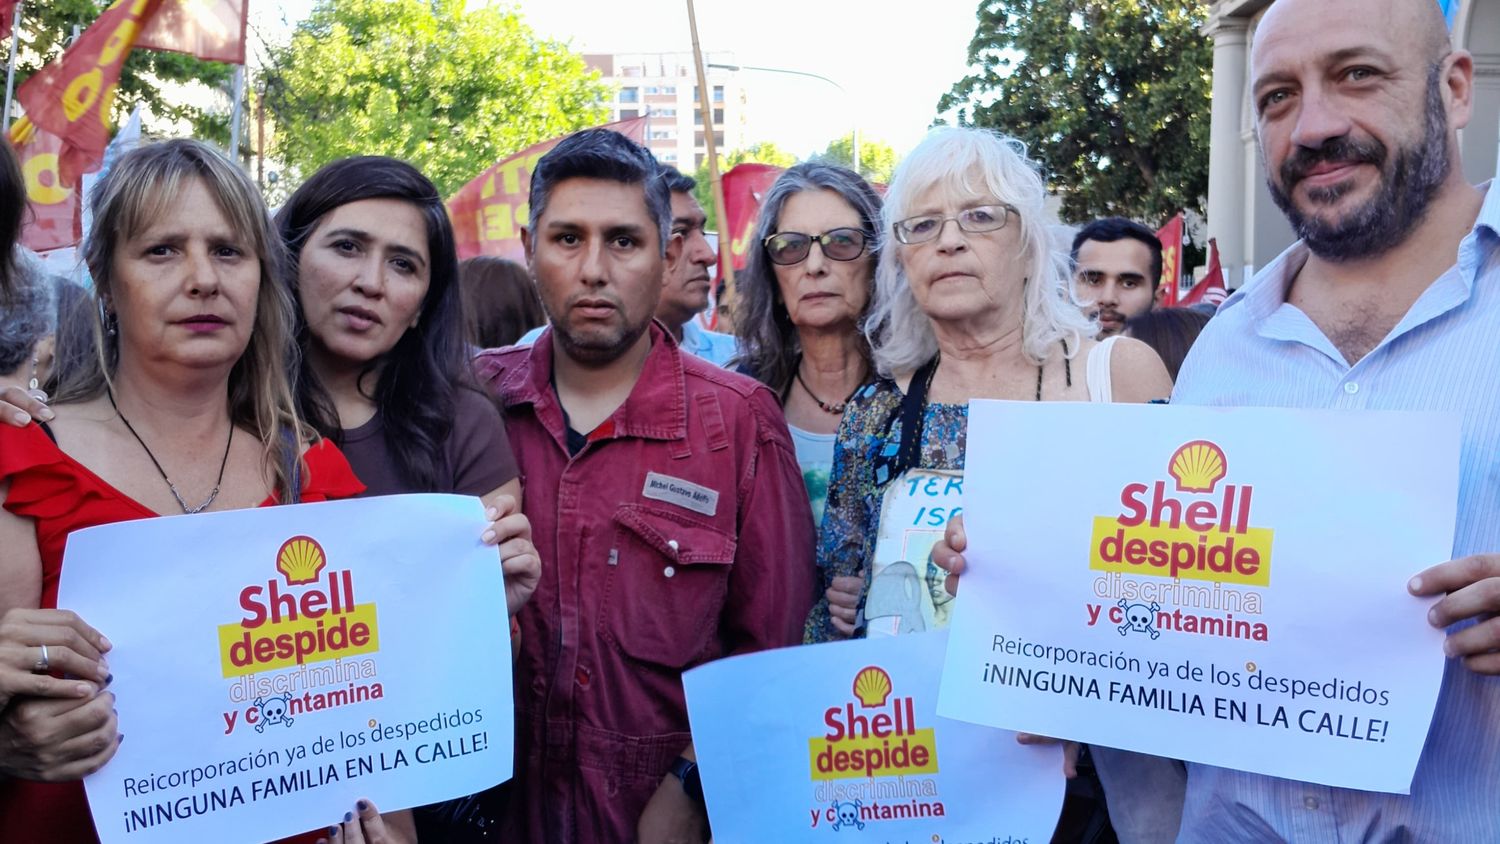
x=476 y=456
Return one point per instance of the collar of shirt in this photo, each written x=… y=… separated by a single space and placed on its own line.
x=1265 y=297
x=656 y=408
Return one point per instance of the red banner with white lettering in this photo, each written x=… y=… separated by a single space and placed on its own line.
x=489 y=212
x=72 y=97
x=1170 y=236
x=745 y=185
x=212 y=30
x=54 y=216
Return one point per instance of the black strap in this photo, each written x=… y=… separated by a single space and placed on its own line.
x=912 y=415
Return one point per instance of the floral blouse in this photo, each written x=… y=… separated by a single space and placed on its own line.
x=868 y=439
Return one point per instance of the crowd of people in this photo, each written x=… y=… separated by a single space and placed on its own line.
x=660 y=495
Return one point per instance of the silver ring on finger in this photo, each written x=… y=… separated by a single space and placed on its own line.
x=43 y=664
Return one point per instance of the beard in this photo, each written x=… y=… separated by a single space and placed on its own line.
x=1407 y=187
x=596 y=344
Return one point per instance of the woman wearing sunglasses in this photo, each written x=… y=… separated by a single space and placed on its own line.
x=802 y=300
x=971 y=301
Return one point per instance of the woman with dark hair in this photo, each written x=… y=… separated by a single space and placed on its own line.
x=500 y=301
x=801 y=303
x=384 y=370
x=1170 y=331
x=799 y=312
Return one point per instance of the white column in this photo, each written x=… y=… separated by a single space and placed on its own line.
x=1227 y=202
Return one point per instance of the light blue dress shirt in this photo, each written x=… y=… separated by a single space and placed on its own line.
x=712 y=346
x=1445 y=356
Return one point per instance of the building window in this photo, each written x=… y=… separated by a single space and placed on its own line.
x=718 y=117
x=668 y=157
x=669 y=89
x=718 y=93
x=661 y=135
x=652 y=89
x=718 y=139
x=665 y=112
x=630 y=95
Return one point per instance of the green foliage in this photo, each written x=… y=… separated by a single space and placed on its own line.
x=448 y=89
x=1112 y=95
x=877 y=160
x=761 y=153
x=46 y=29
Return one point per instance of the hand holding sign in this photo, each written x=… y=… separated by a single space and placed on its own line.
x=511 y=531
x=1472 y=585
x=947 y=553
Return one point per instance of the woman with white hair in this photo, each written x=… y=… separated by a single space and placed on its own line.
x=972 y=300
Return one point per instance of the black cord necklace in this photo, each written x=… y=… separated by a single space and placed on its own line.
x=171 y=486
x=836 y=408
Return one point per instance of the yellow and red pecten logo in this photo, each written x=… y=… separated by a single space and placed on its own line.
x=286 y=626
x=1192 y=535
x=865 y=744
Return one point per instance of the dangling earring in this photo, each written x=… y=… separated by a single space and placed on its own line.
x=33 y=389
x=107 y=319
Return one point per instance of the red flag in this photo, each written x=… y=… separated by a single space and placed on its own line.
x=744 y=187
x=489 y=212
x=1170 y=236
x=54 y=217
x=1211 y=289
x=212 y=30
x=72 y=97
x=7 y=16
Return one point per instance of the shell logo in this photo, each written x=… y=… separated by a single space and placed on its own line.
x=1198 y=466
x=872 y=686
x=300 y=560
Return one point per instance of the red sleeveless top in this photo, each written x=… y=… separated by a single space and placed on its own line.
x=61 y=495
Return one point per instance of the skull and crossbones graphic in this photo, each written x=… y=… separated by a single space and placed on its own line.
x=1140 y=617
x=273 y=711
x=847 y=814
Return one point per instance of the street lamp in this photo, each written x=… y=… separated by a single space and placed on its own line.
x=733 y=68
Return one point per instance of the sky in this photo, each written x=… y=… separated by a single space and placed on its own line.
x=894 y=62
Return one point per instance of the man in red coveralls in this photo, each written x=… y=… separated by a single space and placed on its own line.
x=667 y=506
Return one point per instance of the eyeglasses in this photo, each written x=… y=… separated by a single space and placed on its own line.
x=787 y=248
x=980 y=218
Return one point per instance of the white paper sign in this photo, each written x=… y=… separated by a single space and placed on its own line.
x=841 y=742
x=1226 y=587
x=273 y=666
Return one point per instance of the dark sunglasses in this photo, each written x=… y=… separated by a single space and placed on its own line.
x=787 y=248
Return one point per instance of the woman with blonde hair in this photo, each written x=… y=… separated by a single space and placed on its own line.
x=972 y=300
x=186 y=407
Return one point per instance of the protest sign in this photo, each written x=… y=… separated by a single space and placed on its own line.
x=274 y=665
x=1230 y=589
x=843 y=738
x=906 y=593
